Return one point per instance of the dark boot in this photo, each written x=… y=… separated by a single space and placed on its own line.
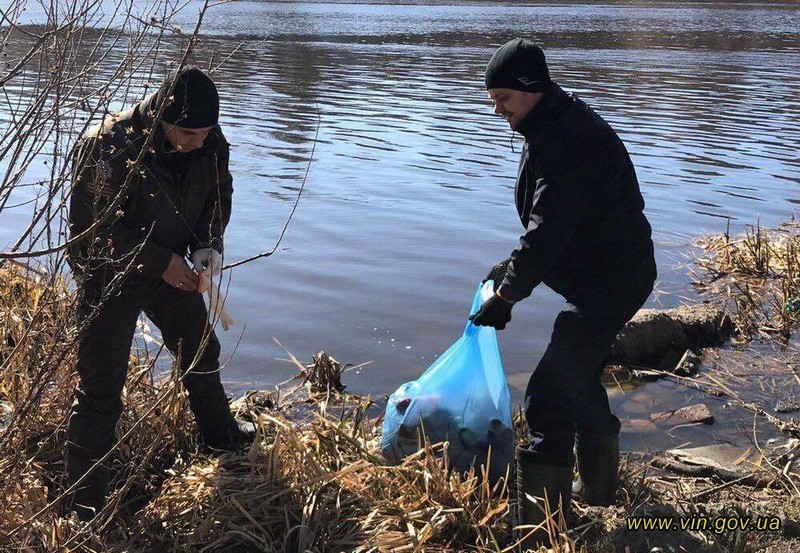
x=90 y=496
x=540 y=480
x=234 y=437
x=598 y=465
x=219 y=429
x=83 y=449
x=90 y=435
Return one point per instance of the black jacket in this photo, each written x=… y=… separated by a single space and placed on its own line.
x=174 y=203
x=578 y=198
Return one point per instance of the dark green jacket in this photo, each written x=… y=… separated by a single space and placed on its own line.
x=172 y=203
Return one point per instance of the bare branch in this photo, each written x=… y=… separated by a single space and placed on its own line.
x=294 y=207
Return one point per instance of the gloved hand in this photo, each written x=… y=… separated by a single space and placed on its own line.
x=498 y=273
x=207 y=261
x=495 y=312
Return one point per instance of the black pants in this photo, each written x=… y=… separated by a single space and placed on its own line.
x=565 y=394
x=103 y=354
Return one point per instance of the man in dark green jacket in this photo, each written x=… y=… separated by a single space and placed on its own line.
x=587 y=238
x=150 y=186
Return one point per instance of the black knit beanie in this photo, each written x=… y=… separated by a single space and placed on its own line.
x=194 y=103
x=520 y=65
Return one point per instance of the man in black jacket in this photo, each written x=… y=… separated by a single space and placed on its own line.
x=587 y=238
x=150 y=186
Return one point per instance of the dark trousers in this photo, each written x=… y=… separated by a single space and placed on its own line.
x=565 y=394
x=103 y=354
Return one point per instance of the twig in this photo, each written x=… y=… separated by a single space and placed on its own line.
x=294 y=207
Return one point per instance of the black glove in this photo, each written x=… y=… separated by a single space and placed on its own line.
x=498 y=273
x=495 y=312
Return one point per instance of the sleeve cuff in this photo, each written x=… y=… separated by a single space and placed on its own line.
x=510 y=294
x=216 y=244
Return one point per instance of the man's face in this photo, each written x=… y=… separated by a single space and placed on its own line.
x=185 y=140
x=513 y=105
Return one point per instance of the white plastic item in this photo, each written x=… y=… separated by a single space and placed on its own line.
x=215 y=301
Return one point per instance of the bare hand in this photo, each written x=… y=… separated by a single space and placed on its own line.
x=179 y=275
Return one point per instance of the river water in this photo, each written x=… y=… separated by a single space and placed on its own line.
x=409 y=197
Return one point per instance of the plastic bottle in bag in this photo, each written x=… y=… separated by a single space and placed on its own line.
x=461 y=398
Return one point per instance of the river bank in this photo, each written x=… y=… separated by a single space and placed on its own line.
x=314 y=479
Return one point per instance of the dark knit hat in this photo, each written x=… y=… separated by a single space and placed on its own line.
x=520 y=65
x=194 y=103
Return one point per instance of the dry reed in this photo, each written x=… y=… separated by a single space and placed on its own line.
x=758 y=274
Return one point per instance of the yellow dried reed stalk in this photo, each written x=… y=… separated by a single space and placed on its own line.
x=757 y=274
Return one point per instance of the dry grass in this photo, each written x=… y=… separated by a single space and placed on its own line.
x=759 y=275
x=37 y=358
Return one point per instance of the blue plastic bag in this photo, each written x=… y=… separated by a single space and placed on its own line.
x=462 y=398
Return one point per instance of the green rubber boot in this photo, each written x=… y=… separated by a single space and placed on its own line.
x=598 y=465
x=539 y=480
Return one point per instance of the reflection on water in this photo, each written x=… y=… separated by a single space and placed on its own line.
x=409 y=198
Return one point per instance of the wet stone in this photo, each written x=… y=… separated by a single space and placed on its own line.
x=638 y=426
x=727 y=457
x=699 y=413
